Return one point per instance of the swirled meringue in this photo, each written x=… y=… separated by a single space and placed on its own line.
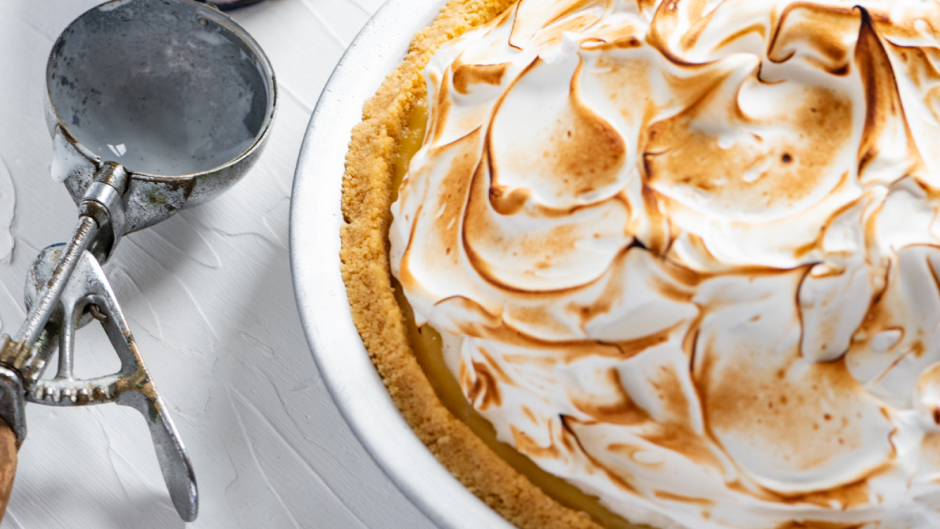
x=691 y=252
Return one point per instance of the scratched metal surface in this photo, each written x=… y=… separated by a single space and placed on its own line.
x=208 y=295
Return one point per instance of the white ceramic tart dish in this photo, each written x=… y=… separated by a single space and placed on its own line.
x=321 y=295
x=683 y=255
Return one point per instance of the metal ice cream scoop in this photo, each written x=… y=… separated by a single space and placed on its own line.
x=153 y=106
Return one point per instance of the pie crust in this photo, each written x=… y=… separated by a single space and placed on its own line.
x=367 y=197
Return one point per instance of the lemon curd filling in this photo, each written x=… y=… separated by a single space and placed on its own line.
x=428 y=348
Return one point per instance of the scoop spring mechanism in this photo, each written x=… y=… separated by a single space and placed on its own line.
x=66 y=290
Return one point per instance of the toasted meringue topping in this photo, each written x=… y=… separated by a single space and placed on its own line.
x=692 y=250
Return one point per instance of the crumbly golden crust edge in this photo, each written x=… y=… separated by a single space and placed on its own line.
x=365 y=267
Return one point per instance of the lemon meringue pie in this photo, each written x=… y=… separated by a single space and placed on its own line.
x=682 y=255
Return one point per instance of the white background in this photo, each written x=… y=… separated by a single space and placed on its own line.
x=209 y=297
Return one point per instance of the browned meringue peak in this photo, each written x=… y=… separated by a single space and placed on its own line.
x=835 y=295
x=586 y=163
x=887 y=144
x=792 y=424
x=541 y=22
x=692 y=249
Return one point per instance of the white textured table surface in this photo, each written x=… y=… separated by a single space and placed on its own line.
x=208 y=295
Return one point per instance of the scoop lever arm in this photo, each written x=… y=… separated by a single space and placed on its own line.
x=87 y=296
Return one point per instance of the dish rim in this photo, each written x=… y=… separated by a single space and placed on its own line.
x=315 y=221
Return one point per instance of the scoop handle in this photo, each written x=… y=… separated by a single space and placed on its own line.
x=8 y=457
